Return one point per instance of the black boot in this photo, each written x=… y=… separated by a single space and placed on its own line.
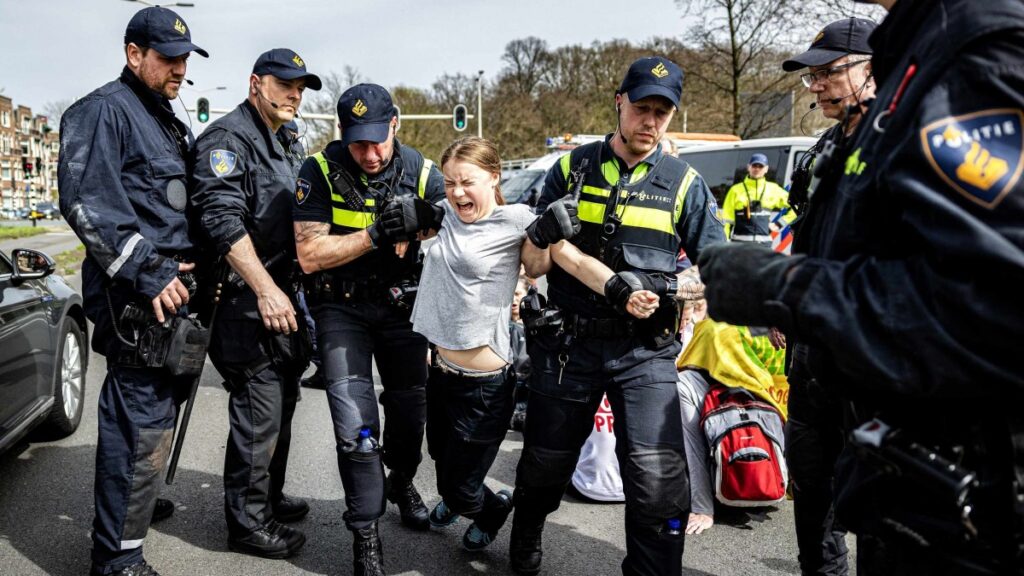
x=402 y=492
x=524 y=548
x=272 y=540
x=290 y=509
x=367 y=555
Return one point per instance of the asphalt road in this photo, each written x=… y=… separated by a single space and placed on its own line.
x=46 y=512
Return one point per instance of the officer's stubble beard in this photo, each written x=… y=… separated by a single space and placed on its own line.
x=142 y=64
x=629 y=144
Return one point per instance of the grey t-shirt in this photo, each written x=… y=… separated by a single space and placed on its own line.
x=469 y=277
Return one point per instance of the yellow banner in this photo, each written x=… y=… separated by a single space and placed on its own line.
x=732 y=356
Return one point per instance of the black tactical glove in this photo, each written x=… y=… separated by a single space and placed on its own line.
x=398 y=222
x=743 y=283
x=619 y=287
x=428 y=215
x=559 y=221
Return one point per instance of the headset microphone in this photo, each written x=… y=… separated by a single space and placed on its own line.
x=189 y=82
x=813 y=106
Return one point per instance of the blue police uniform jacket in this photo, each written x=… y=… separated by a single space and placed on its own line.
x=243 y=181
x=916 y=242
x=122 y=175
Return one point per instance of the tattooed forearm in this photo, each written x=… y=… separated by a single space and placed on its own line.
x=305 y=231
x=690 y=285
x=317 y=249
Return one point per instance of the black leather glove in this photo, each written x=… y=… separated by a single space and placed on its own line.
x=560 y=221
x=428 y=215
x=743 y=283
x=398 y=222
x=619 y=287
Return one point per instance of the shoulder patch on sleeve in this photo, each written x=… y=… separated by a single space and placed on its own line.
x=978 y=154
x=222 y=162
x=301 y=190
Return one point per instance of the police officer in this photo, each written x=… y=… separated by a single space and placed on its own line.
x=838 y=64
x=358 y=293
x=912 y=312
x=244 y=179
x=122 y=175
x=750 y=205
x=637 y=206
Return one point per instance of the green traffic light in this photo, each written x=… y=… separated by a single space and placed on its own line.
x=203 y=117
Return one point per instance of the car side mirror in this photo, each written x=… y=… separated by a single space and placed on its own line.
x=532 y=200
x=31 y=264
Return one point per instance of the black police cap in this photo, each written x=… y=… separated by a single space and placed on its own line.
x=162 y=30
x=653 y=76
x=365 y=112
x=287 y=65
x=838 y=39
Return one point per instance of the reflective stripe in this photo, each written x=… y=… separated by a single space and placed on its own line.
x=352 y=219
x=130 y=544
x=590 y=212
x=564 y=163
x=762 y=238
x=126 y=252
x=602 y=192
x=635 y=216
x=343 y=216
x=424 y=175
x=650 y=218
x=688 y=180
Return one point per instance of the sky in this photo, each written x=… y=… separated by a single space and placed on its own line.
x=52 y=50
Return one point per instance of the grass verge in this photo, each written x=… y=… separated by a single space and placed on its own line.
x=13 y=232
x=70 y=261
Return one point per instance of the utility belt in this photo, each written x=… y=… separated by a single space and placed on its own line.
x=959 y=498
x=540 y=317
x=599 y=328
x=401 y=294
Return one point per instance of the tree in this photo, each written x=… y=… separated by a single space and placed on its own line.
x=525 y=58
x=325 y=101
x=54 y=109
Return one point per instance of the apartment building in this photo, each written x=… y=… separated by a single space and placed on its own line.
x=29 y=146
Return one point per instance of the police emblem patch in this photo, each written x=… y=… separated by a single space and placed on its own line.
x=660 y=71
x=359 y=108
x=222 y=162
x=301 y=191
x=980 y=155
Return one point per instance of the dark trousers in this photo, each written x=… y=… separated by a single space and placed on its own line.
x=137 y=413
x=256 y=456
x=263 y=393
x=466 y=421
x=351 y=336
x=814 y=439
x=641 y=388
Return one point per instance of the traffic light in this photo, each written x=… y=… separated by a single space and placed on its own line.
x=459 y=117
x=203 y=110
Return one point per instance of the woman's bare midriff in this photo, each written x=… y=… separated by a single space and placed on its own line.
x=482 y=358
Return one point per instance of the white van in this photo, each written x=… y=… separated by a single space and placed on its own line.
x=723 y=165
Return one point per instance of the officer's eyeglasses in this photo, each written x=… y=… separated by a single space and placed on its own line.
x=822 y=76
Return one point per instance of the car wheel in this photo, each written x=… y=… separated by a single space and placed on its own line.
x=69 y=385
